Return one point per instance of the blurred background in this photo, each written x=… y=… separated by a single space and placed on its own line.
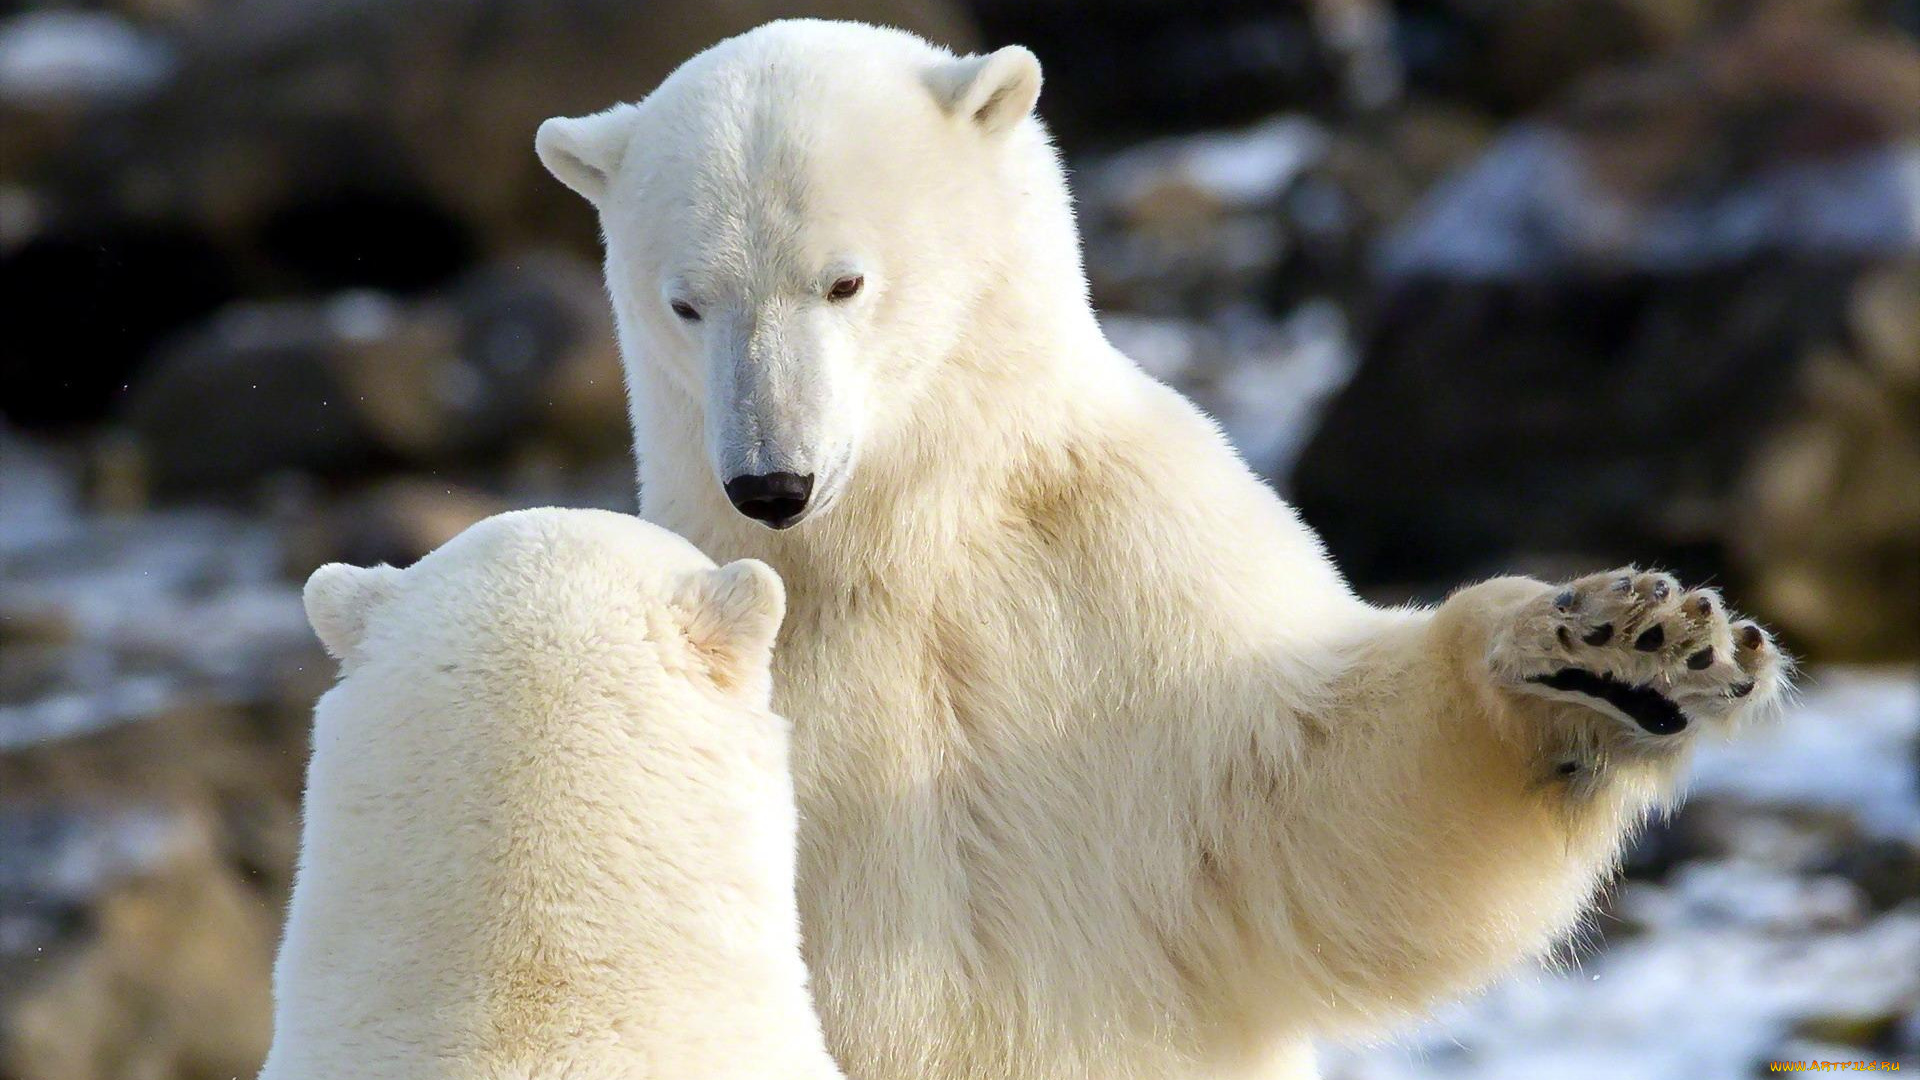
x=1482 y=285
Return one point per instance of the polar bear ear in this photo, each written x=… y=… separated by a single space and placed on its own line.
x=583 y=152
x=339 y=598
x=733 y=615
x=995 y=91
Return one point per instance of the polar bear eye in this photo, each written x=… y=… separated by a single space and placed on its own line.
x=846 y=288
x=684 y=310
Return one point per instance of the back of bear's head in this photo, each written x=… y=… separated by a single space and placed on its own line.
x=523 y=594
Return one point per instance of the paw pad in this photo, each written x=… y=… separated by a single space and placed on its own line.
x=1640 y=647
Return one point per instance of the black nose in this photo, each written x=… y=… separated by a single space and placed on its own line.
x=775 y=498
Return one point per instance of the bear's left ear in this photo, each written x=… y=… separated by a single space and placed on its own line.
x=339 y=598
x=995 y=91
x=583 y=152
x=733 y=614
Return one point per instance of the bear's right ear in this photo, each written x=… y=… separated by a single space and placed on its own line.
x=995 y=91
x=733 y=615
x=583 y=152
x=339 y=598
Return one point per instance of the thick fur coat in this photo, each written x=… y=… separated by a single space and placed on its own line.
x=1104 y=772
x=549 y=825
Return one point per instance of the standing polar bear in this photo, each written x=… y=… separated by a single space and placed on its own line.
x=549 y=824
x=1104 y=772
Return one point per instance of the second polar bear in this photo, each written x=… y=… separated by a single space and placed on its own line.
x=549 y=824
x=1105 y=774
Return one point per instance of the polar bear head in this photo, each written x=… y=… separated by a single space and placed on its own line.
x=522 y=589
x=548 y=796
x=802 y=222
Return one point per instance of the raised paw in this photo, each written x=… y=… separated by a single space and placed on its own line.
x=1636 y=646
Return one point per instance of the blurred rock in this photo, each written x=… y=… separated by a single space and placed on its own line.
x=164 y=973
x=1186 y=223
x=86 y=305
x=1272 y=214
x=69 y=59
x=378 y=145
x=1518 y=56
x=140 y=894
x=549 y=312
x=1829 y=528
x=363 y=379
x=1146 y=67
x=155 y=681
x=1264 y=380
x=1607 y=419
x=26 y=627
x=56 y=67
x=1787 y=137
x=1780 y=836
x=1886 y=871
x=1850 y=1033
x=1585 y=339
x=1733 y=894
x=1791 y=838
x=1538 y=48
x=393 y=522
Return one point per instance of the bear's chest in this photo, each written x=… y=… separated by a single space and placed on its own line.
x=964 y=820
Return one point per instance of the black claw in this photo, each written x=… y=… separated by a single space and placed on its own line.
x=1623 y=584
x=1701 y=660
x=1660 y=589
x=1742 y=690
x=1599 y=635
x=1568 y=768
x=1751 y=636
x=1704 y=606
x=1650 y=639
x=1564 y=602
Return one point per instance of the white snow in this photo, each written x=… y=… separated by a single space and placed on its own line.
x=1240 y=169
x=1263 y=379
x=50 y=57
x=160 y=606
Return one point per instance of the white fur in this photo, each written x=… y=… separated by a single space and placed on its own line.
x=1104 y=771
x=549 y=824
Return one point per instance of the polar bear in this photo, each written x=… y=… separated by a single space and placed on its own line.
x=549 y=824
x=1104 y=771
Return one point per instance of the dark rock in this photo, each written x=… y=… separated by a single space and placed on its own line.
x=1147 y=67
x=393 y=522
x=375 y=145
x=364 y=380
x=1886 y=870
x=85 y=307
x=166 y=975
x=1876 y=1033
x=1584 y=339
x=136 y=935
x=1584 y=416
x=1828 y=528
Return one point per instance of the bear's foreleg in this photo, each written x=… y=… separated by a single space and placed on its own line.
x=1470 y=781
